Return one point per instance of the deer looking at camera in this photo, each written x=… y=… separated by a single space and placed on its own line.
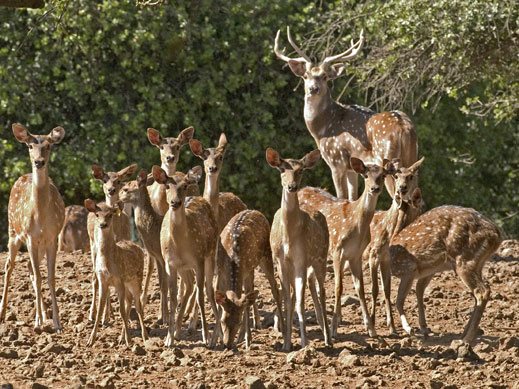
x=405 y=208
x=344 y=131
x=35 y=212
x=348 y=226
x=445 y=238
x=299 y=242
x=245 y=246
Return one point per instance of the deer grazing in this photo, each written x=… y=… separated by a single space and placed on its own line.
x=445 y=238
x=35 y=213
x=342 y=131
x=405 y=207
x=299 y=242
x=348 y=225
x=188 y=240
x=119 y=264
x=245 y=246
x=169 y=155
x=112 y=184
x=74 y=234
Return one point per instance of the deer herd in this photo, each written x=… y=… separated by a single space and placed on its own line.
x=210 y=245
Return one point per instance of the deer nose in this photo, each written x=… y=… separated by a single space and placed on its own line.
x=213 y=169
x=292 y=187
x=375 y=189
x=175 y=204
x=39 y=163
x=313 y=89
x=111 y=191
x=402 y=189
x=170 y=158
x=103 y=225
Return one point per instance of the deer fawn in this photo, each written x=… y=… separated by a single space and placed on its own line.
x=119 y=264
x=74 y=234
x=386 y=224
x=348 y=225
x=188 y=240
x=148 y=223
x=35 y=214
x=342 y=131
x=245 y=246
x=112 y=184
x=299 y=242
x=169 y=156
x=445 y=238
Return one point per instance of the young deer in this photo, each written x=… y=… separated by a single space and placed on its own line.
x=188 y=242
x=445 y=238
x=386 y=224
x=344 y=131
x=74 y=234
x=112 y=184
x=148 y=223
x=119 y=264
x=35 y=214
x=245 y=246
x=169 y=156
x=299 y=241
x=348 y=225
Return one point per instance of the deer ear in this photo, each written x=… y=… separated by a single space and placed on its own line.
x=21 y=133
x=416 y=198
x=335 y=70
x=273 y=158
x=142 y=177
x=195 y=174
x=98 y=173
x=154 y=137
x=415 y=166
x=220 y=297
x=357 y=165
x=127 y=173
x=311 y=159
x=56 y=135
x=222 y=143
x=185 y=135
x=297 y=67
x=90 y=205
x=159 y=175
x=389 y=167
x=197 y=149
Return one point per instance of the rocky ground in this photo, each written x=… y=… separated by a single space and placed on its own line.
x=31 y=359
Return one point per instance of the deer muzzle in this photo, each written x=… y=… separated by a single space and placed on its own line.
x=39 y=163
x=175 y=204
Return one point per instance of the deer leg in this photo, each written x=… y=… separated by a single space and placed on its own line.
x=200 y=279
x=481 y=293
x=320 y=277
x=268 y=269
x=103 y=291
x=108 y=309
x=338 y=264
x=35 y=253
x=287 y=330
x=172 y=285
x=373 y=269
x=421 y=284
x=93 y=307
x=121 y=293
x=14 y=246
x=163 y=291
x=403 y=290
x=300 y=285
x=358 y=282
x=135 y=291
x=313 y=293
x=385 y=276
x=187 y=280
x=209 y=287
x=148 y=278
x=51 y=274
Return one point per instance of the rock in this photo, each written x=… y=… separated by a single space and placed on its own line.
x=36 y=385
x=347 y=359
x=464 y=351
x=253 y=382
x=107 y=383
x=38 y=370
x=172 y=358
x=9 y=354
x=302 y=357
x=406 y=342
x=349 y=300
x=138 y=350
x=152 y=345
x=55 y=348
x=6 y=386
x=435 y=384
x=508 y=343
x=68 y=264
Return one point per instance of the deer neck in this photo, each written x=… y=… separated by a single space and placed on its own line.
x=365 y=208
x=394 y=218
x=106 y=245
x=112 y=200
x=40 y=189
x=178 y=223
x=212 y=191
x=145 y=215
x=170 y=170
x=290 y=213
x=317 y=112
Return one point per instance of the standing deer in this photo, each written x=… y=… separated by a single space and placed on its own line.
x=35 y=212
x=348 y=225
x=245 y=246
x=405 y=207
x=112 y=184
x=74 y=234
x=299 y=242
x=445 y=238
x=342 y=131
x=169 y=155
x=119 y=264
x=188 y=242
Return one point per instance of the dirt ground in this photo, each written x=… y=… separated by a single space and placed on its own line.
x=30 y=359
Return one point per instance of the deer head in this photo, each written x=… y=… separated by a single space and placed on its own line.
x=103 y=212
x=129 y=193
x=373 y=174
x=292 y=169
x=176 y=186
x=406 y=179
x=316 y=76
x=113 y=181
x=39 y=145
x=212 y=157
x=170 y=147
x=232 y=315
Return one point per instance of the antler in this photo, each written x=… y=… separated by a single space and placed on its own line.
x=280 y=55
x=348 y=54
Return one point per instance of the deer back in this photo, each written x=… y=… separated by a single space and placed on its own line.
x=74 y=235
x=228 y=205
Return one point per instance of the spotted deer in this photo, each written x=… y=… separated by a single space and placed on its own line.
x=348 y=225
x=169 y=148
x=112 y=184
x=74 y=234
x=299 y=242
x=245 y=246
x=119 y=264
x=35 y=216
x=188 y=240
x=148 y=224
x=342 y=131
x=405 y=207
x=445 y=238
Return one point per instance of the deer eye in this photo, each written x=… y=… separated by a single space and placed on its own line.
x=30 y=145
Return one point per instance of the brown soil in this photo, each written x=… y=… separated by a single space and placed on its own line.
x=63 y=360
